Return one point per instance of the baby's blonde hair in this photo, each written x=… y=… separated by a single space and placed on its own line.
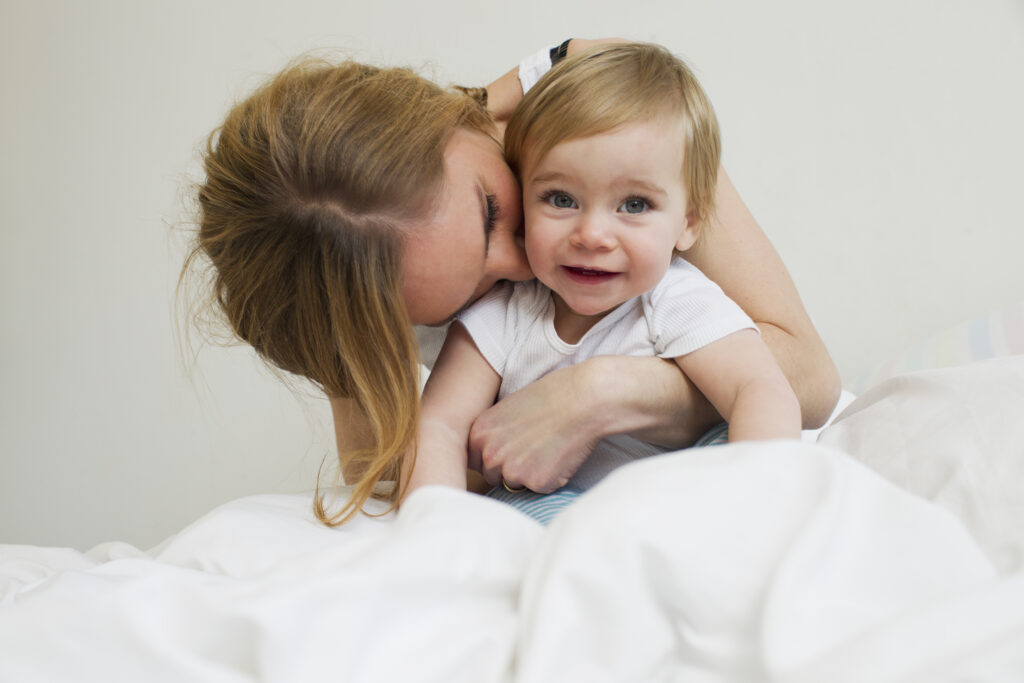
x=596 y=91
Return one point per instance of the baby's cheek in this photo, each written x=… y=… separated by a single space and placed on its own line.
x=536 y=247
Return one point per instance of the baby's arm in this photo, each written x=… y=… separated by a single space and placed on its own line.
x=461 y=386
x=740 y=377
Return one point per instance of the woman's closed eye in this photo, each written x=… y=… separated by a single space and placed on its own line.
x=491 y=217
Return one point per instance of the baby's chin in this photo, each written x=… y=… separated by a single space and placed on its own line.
x=602 y=310
x=587 y=307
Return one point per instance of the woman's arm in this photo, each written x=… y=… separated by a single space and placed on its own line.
x=736 y=254
x=351 y=432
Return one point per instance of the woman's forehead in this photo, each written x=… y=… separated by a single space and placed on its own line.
x=446 y=251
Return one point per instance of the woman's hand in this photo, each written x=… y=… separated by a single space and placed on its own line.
x=539 y=436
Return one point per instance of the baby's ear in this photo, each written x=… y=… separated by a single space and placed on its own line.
x=690 y=233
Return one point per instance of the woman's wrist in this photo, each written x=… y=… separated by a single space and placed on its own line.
x=533 y=66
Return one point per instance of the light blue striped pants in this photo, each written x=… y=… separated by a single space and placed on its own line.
x=544 y=507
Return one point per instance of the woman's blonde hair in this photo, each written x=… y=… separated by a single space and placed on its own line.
x=596 y=91
x=309 y=182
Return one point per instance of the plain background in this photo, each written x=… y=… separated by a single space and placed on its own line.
x=879 y=144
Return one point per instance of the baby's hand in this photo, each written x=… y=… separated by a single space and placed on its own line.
x=523 y=439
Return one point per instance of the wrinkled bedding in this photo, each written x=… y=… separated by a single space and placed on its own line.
x=891 y=550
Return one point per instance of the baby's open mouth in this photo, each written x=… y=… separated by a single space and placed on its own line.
x=589 y=275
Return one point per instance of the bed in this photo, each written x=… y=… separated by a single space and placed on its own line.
x=888 y=547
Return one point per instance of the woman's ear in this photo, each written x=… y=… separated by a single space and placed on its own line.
x=690 y=233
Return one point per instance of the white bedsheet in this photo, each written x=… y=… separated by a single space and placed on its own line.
x=786 y=562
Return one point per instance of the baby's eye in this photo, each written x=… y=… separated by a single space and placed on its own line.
x=561 y=200
x=633 y=205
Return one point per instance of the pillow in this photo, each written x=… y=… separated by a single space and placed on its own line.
x=999 y=333
x=953 y=436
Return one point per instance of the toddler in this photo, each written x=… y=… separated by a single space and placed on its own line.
x=617 y=151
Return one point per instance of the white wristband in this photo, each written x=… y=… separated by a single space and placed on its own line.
x=533 y=67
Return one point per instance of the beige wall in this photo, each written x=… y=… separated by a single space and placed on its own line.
x=880 y=145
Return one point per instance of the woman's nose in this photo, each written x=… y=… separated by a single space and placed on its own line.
x=506 y=257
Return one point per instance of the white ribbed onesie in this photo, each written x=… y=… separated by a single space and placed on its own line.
x=513 y=327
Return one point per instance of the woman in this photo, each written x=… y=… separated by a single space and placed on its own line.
x=344 y=204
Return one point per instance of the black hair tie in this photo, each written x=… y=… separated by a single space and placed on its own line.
x=558 y=53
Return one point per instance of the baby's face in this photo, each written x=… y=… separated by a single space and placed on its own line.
x=603 y=214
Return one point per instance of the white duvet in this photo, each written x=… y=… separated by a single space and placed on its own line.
x=889 y=551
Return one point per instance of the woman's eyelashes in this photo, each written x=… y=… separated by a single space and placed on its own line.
x=493 y=211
